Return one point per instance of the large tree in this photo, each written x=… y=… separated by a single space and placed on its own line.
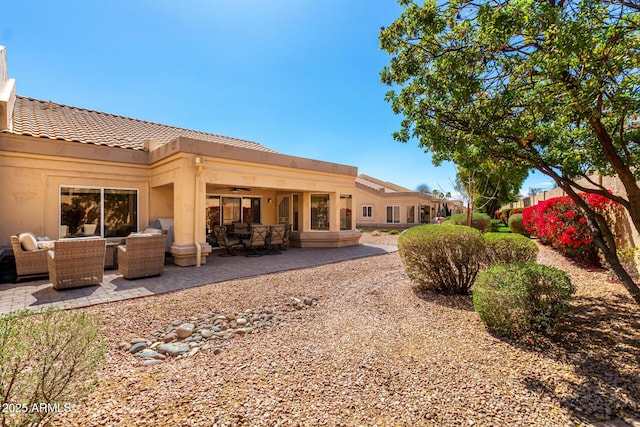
x=490 y=184
x=550 y=85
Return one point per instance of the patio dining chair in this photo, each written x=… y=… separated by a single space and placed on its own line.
x=287 y=234
x=258 y=240
x=275 y=239
x=223 y=241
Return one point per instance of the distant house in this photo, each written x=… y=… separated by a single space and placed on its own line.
x=68 y=171
x=384 y=205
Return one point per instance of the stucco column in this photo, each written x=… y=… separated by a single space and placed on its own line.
x=305 y=211
x=189 y=195
x=334 y=212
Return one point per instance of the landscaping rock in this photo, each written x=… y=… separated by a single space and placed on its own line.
x=173 y=349
x=186 y=337
x=147 y=353
x=171 y=336
x=139 y=346
x=185 y=330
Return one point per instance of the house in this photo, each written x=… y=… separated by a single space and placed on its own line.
x=68 y=171
x=384 y=205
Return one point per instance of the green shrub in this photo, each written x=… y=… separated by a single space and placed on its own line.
x=504 y=215
x=503 y=248
x=394 y=232
x=516 y=225
x=47 y=359
x=515 y=300
x=495 y=225
x=479 y=221
x=444 y=258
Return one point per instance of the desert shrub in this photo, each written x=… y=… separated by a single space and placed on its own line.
x=516 y=225
x=495 y=225
x=442 y=257
x=479 y=221
x=516 y=300
x=47 y=360
x=503 y=215
x=559 y=222
x=508 y=248
x=394 y=232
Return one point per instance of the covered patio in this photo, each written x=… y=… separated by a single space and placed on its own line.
x=40 y=294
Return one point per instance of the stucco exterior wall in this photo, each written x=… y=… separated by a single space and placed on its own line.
x=31 y=189
x=172 y=182
x=378 y=201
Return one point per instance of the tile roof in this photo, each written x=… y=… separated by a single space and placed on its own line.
x=379 y=185
x=46 y=119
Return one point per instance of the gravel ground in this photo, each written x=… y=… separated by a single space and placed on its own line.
x=374 y=351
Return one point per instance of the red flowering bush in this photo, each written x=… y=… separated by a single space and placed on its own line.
x=559 y=222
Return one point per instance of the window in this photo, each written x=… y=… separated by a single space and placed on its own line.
x=411 y=214
x=251 y=210
x=284 y=210
x=393 y=214
x=345 y=212
x=296 y=211
x=227 y=210
x=367 y=212
x=319 y=211
x=107 y=212
x=231 y=210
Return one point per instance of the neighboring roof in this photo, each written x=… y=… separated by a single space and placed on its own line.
x=45 y=119
x=381 y=186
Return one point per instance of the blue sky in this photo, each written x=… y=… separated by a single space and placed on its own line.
x=301 y=77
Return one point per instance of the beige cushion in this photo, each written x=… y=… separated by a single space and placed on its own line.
x=28 y=241
x=50 y=244
x=150 y=230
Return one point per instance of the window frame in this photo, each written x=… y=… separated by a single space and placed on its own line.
x=394 y=219
x=328 y=212
x=102 y=200
x=348 y=215
x=367 y=209
x=411 y=208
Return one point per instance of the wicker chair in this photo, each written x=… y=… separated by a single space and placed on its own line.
x=258 y=240
x=142 y=256
x=76 y=262
x=29 y=264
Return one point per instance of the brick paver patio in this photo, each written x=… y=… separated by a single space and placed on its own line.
x=40 y=293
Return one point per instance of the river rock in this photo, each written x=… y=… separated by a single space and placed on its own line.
x=173 y=349
x=171 y=336
x=185 y=330
x=147 y=353
x=139 y=346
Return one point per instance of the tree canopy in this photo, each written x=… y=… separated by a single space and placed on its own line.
x=550 y=85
